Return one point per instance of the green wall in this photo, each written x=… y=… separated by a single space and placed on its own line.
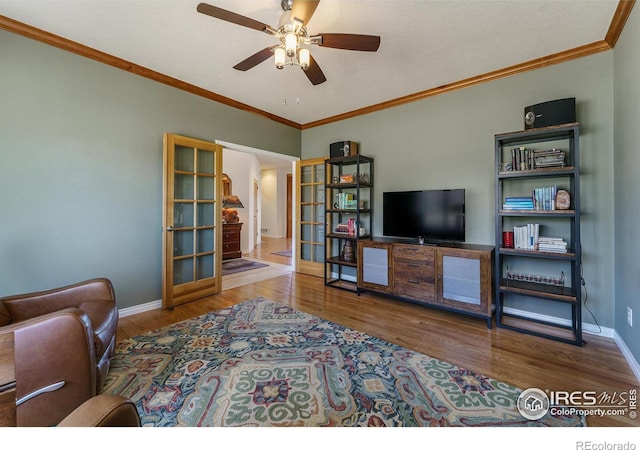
x=627 y=182
x=447 y=141
x=81 y=164
x=81 y=167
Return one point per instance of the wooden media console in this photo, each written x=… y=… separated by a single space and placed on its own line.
x=455 y=277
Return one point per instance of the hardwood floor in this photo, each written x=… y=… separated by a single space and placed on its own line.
x=522 y=360
x=265 y=252
x=266 y=249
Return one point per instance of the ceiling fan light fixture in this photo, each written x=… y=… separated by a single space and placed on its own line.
x=290 y=44
x=280 y=57
x=304 y=58
x=292 y=35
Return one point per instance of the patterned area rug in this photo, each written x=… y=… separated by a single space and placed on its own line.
x=240 y=265
x=261 y=363
x=283 y=253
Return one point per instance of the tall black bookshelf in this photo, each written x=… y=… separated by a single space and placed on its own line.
x=349 y=201
x=534 y=276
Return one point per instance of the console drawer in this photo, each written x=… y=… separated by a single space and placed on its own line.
x=412 y=261
x=417 y=289
x=414 y=253
x=414 y=272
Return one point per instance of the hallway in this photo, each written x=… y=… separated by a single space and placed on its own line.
x=264 y=252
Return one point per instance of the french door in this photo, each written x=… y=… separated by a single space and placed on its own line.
x=192 y=224
x=310 y=227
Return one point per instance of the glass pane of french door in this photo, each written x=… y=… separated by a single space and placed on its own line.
x=193 y=171
x=311 y=220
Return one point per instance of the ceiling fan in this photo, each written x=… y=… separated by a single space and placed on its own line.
x=293 y=37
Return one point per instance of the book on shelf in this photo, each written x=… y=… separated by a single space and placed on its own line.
x=552 y=244
x=517 y=207
x=542 y=199
x=526 y=236
x=351 y=225
x=523 y=158
x=342 y=228
x=545 y=198
x=548 y=158
x=346 y=201
x=518 y=203
x=347 y=228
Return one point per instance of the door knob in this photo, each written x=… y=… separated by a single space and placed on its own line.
x=170 y=228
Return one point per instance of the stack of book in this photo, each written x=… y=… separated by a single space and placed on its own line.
x=518 y=203
x=342 y=228
x=347 y=228
x=548 y=158
x=552 y=244
x=523 y=158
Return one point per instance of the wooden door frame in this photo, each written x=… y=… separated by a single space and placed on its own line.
x=257 y=220
x=289 y=205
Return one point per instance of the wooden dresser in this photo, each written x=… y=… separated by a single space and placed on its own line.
x=231 y=240
x=7 y=381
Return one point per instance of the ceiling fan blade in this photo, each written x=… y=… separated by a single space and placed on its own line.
x=255 y=59
x=314 y=73
x=345 y=41
x=304 y=9
x=232 y=17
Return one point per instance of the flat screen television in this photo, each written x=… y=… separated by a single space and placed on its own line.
x=434 y=215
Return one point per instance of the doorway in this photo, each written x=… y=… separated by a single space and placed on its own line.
x=263 y=239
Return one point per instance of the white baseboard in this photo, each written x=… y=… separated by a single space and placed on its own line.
x=633 y=363
x=130 y=311
x=587 y=328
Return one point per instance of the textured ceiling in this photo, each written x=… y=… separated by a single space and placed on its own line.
x=424 y=44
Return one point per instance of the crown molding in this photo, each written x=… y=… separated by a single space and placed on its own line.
x=556 y=58
x=45 y=37
x=619 y=20
x=615 y=30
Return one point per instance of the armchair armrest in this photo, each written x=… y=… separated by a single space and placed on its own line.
x=103 y=411
x=50 y=349
x=26 y=306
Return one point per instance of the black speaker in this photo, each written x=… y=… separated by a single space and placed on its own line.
x=554 y=112
x=343 y=148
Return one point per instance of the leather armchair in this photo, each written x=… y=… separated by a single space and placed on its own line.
x=103 y=411
x=64 y=341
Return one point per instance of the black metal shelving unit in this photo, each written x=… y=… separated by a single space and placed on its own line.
x=527 y=289
x=340 y=272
